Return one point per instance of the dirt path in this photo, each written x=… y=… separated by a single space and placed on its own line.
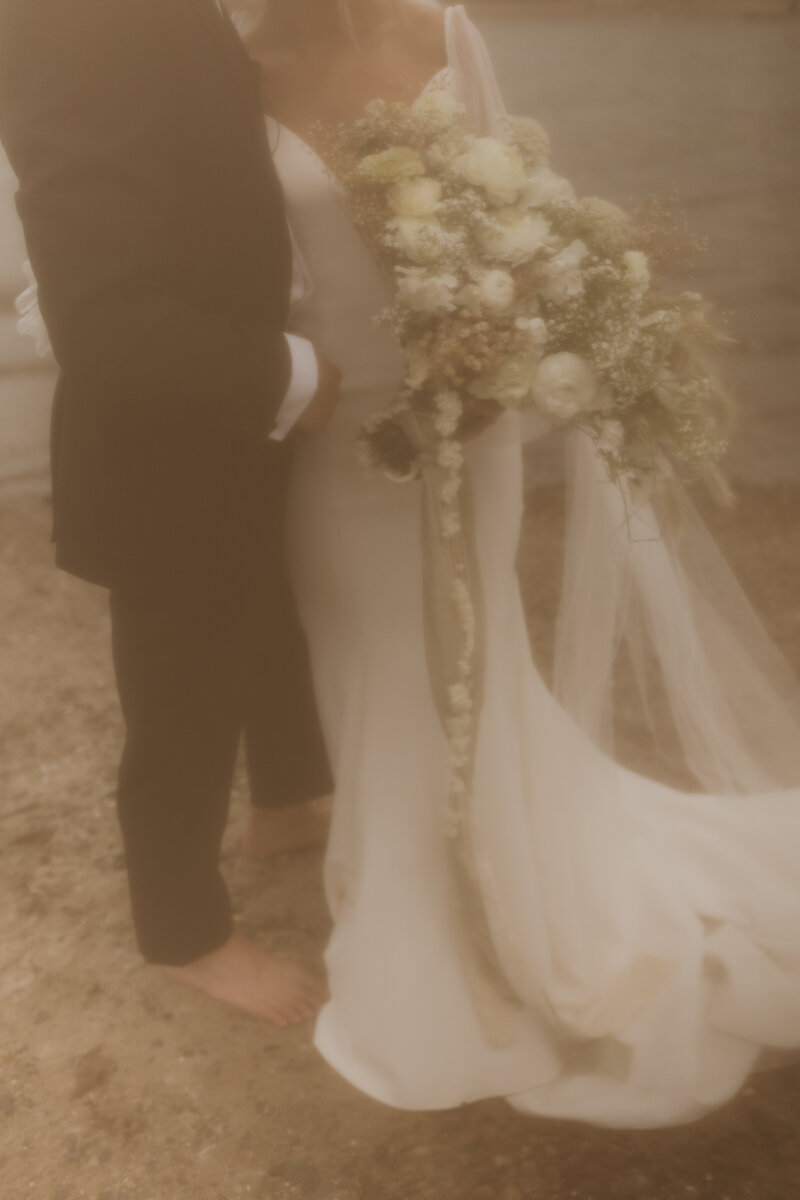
x=115 y=1085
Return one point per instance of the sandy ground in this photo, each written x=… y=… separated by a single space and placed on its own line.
x=116 y=1085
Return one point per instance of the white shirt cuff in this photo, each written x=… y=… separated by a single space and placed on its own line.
x=302 y=388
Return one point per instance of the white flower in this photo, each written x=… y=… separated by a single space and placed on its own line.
x=612 y=437
x=516 y=239
x=412 y=237
x=563 y=278
x=493 y=295
x=457 y=788
x=496 y=167
x=424 y=241
x=392 y=165
x=423 y=291
x=460 y=700
x=534 y=330
x=418 y=366
x=449 y=409
x=496 y=292
x=509 y=384
x=420 y=197
x=451 y=456
x=565 y=385
x=637 y=267
x=449 y=493
x=439 y=108
x=545 y=187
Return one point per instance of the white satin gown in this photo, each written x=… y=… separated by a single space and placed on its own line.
x=653 y=935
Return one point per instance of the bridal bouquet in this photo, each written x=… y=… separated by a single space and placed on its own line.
x=509 y=292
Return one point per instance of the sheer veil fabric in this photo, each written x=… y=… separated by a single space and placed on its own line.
x=670 y=596
x=652 y=936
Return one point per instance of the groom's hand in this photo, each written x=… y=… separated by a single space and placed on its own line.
x=321 y=407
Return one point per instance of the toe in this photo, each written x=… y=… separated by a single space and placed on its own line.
x=277 y=1018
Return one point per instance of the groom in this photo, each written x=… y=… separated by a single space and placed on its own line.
x=155 y=227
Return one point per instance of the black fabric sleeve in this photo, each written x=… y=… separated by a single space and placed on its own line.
x=90 y=106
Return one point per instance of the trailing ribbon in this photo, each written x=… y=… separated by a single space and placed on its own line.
x=455 y=645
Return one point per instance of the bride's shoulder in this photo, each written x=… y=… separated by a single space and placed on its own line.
x=426 y=23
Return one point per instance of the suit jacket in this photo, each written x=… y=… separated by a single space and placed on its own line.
x=155 y=227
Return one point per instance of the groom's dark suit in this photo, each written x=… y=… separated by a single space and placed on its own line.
x=155 y=227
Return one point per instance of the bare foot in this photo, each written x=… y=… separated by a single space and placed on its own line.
x=277 y=830
x=241 y=974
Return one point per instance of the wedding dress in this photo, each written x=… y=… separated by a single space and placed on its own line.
x=651 y=936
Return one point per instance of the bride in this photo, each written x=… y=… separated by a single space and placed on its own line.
x=648 y=939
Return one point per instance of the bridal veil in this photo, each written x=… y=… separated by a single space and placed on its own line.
x=656 y=586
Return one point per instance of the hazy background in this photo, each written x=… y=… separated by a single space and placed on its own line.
x=118 y=1086
x=665 y=100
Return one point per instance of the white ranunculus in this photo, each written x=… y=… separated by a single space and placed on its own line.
x=637 y=267
x=496 y=167
x=612 y=437
x=545 y=187
x=392 y=165
x=562 y=276
x=516 y=239
x=497 y=292
x=534 y=330
x=439 y=108
x=420 y=197
x=509 y=384
x=565 y=385
x=426 y=292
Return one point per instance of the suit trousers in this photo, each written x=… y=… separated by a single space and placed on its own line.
x=194 y=673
